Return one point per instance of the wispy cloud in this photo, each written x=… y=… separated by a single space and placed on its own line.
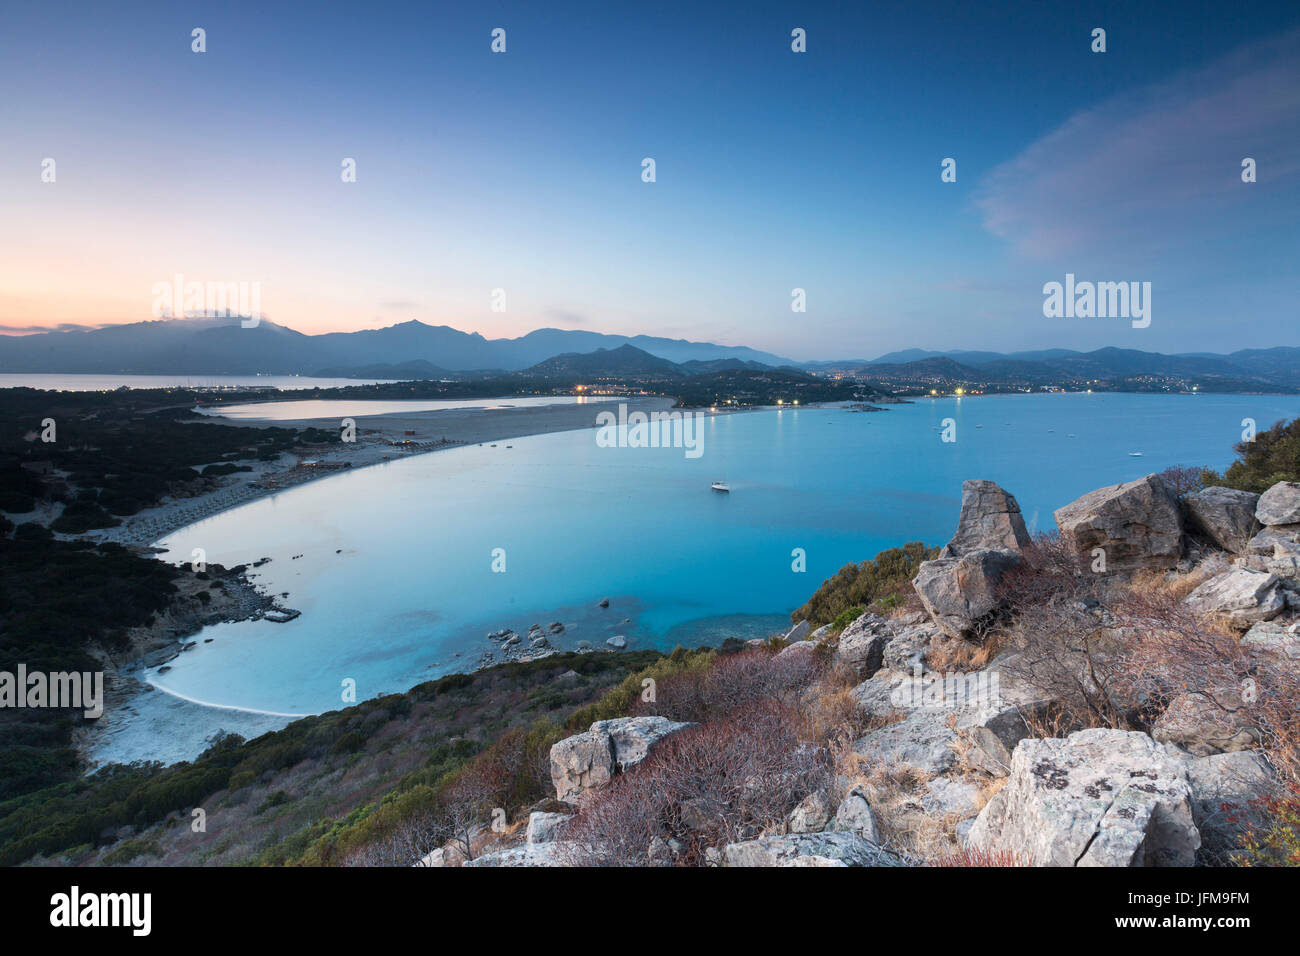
x=1158 y=162
x=61 y=327
x=566 y=318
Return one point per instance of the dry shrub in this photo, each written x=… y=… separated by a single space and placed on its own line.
x=722 y=782
x=736 y=681
x=1162 y=586
x=1172 y=650
x=956 y=654
x=1065 y=650
x=832 y=714
x=982 y=858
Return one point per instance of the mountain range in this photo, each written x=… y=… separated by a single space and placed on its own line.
x=1246 y=369
x=220 y=346
x=414 y=350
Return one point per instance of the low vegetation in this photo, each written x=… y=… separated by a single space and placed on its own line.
x=880 y=584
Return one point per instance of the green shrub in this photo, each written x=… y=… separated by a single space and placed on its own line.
x=1273 y=456
x=884 y=581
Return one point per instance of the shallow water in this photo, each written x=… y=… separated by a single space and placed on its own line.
x=341 y=407
x=392 y=566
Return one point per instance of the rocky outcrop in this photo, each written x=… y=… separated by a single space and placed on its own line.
x=833 y=848
x=959 y=593
x=1206 y=724
x=1226 y=516
x=556 y=853
x=990 y=521
x=945 y=797
x=1280 y=505
x=1095 y=798
x=854 y=815
x=959 y=589
x=799 y=632
x=589 y=760
x=1241 y=596
x=862 y=644
x=1273 y=639
x=1137 y=525
x=546 y=827
x=1280 y=541
x=811 y=815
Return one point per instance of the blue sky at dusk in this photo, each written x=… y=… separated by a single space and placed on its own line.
x=775 y=170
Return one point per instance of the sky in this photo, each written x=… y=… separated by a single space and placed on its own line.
x=774 y=170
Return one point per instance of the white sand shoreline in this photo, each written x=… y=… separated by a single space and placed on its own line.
x=426 y=431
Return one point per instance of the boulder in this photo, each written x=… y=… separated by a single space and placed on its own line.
x=876 y=694
x=811 y=815
x=983 y=709
x=1096 y=798
x=1242 y=596
x=923 y=741
x=618 y=641
x=1206 y=724
x=1224 y=515
x=1137 y=525
x=581 y=763
x=1280 y=504
x=906 y=650
x=798 y=632
x=1273 y=639
x=1280 y=541
x=632 y=737
x=808 y=849
x=959 y=593
x=862 y=644
x=1224 y=788
x=590 y=759
x=546 y=827
x=799 y=649
x=555 y=853
x=990 y=521
x=854 y=815
x=944 y=796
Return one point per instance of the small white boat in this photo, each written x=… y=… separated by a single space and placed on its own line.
x=1135 y=454
x=721 y=486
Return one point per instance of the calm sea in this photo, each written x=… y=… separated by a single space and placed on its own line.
x=402 y=568
x=98 y=383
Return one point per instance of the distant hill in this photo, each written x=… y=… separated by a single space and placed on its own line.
x=626 y=361
x=217 y=346
x=1246 y=370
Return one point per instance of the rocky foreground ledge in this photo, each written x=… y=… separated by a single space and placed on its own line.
x=1125 y=695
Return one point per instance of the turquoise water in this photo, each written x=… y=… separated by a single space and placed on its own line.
x=338 y=408
x=392 y=565
x=79 y=382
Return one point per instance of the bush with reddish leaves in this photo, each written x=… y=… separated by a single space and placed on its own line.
x=721 y=782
